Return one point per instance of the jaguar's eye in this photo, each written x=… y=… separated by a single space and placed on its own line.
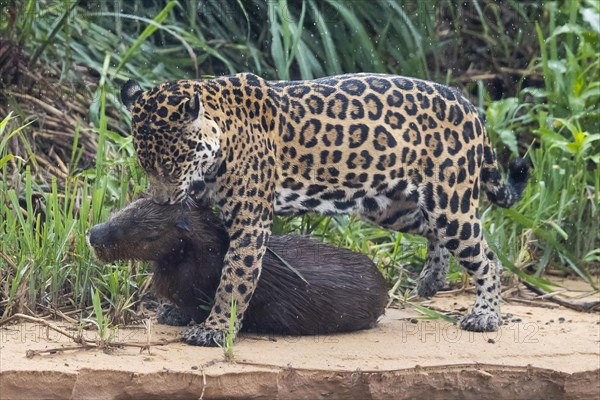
x=166 y=168
x=167 y=165
x=171 y=179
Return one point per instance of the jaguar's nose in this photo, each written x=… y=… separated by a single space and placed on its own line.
x=161 y=201
x=161 y=196
x=196 y=189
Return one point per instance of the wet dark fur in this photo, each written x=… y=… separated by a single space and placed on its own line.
x=345 y=292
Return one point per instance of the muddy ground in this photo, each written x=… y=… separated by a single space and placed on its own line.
x=541 y=352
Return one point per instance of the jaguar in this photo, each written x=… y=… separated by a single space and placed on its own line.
x=405 y=154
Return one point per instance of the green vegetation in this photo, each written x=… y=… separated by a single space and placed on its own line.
x=227 y=346
x=65 y=160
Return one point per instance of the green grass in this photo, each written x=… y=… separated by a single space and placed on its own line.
x=228 y=345
x=51 y=265
x=550 y=111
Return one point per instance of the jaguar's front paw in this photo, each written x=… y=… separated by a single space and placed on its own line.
x=200 y=335
x=169 y=314
x=480 y=322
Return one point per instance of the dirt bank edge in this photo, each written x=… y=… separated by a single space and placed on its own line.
x=467 y=381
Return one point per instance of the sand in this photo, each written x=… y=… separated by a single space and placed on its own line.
x=550 y=353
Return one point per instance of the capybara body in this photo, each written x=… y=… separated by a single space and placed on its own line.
x=306 y=287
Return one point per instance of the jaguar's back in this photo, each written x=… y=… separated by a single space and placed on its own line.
x=352 y=143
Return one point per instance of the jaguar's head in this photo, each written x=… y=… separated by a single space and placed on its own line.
x=175 y=141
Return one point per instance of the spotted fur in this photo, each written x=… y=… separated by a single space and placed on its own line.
x=406 y=154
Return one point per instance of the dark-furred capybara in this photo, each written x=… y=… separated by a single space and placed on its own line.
x=306 y=287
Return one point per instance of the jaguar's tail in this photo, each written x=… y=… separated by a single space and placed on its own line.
x=500 y=193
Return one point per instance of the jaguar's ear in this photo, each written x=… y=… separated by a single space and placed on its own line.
x=194 y=108
x=130 y=91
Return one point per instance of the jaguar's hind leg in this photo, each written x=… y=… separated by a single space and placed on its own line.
x=474 y=254
x=485 y=270
x=404 y=215
x=435 y=270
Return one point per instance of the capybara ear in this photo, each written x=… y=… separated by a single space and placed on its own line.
x=130 y=91
x=183 y=224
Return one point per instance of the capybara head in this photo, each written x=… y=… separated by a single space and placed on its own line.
x=186 y=247
x=145 y=230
